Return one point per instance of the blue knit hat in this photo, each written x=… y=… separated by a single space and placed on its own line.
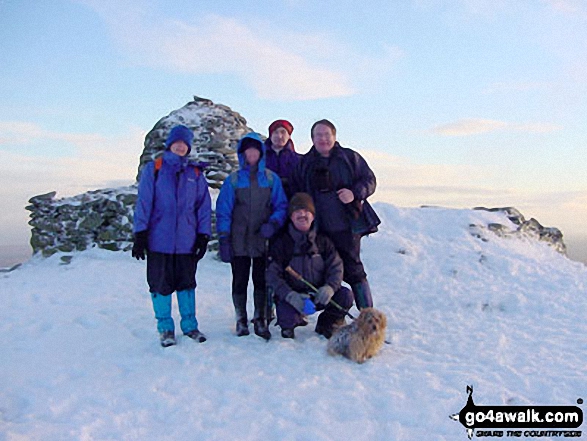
x=180 y=133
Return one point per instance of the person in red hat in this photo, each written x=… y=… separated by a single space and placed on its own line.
x=281 y=155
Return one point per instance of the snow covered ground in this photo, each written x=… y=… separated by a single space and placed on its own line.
x=80 y=357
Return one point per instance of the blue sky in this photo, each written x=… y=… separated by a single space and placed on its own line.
x=458 y=103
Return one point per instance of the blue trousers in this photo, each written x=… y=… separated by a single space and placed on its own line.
x=186 y=301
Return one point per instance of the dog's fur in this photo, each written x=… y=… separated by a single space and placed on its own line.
x=361 y=339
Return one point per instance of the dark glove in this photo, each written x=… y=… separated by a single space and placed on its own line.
x=140 y=245
x=268 y=229
x=323 y=296
x=225 y=250
x=201 y=245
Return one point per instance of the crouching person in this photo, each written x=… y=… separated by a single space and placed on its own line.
x=172 y=226
x=314 y=257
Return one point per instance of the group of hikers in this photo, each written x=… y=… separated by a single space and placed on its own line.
x=296 y=220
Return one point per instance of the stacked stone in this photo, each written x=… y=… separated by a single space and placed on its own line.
x=217 y=130
x=100 y=218
x=104 y=218
x=531 y=228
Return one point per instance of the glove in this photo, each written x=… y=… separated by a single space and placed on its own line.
x=268 y=229
x=309 y=307
x=323 y=296
x=295 y=299
x=200 y=246
x=303 y=306
x=225 y=250
x=140 y=245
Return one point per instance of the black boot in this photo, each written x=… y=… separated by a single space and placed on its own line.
x=328 y=321
x=324 y=330
x=287 y=333
x=242 y=327
x=196 y=336
x=362 y=293
x=167 y=339
x=261 y=306
x=261 y=329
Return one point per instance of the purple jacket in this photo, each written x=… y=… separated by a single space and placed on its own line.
x=282 y=163
x=175 y=206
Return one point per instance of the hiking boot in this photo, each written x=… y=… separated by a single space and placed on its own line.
x=326 y=331
x=261 y=329
x=288 y=333
x=304 y=321
x=242 y=328
x=196 y=336
x=167 y=339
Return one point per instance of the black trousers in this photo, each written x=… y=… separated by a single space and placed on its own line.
x=241 y=270
x=170 y=272
x=348 y=246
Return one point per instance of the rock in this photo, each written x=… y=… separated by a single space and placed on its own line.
x=531 y=229
x=42 y=198
x=512 y=213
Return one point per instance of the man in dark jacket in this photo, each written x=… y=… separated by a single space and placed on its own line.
x=314 y=257
x=281 y=155
x=339 y=180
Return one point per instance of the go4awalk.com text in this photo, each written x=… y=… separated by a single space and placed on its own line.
x=520 y=421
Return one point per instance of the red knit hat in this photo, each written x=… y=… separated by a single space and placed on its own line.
x=280 y=123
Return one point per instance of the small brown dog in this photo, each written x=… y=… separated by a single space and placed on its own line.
x=361 y=339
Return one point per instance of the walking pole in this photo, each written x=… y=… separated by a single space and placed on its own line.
x=299 y=277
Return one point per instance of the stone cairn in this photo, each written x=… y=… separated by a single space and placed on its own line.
x=104 y=218
x=531 y=229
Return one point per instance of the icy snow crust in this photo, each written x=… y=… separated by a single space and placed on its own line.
x=81 y=359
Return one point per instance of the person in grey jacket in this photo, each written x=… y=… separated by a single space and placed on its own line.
x=314 y=257
x=250 y=209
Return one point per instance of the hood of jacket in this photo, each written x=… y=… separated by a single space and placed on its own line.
x=241 y=155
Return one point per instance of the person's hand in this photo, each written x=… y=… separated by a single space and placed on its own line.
x=323 y=296
x=139 y=247
x=200 y=246
x=268 y=229
x=345 y=195
x=296 y=300
x=309 y=307
x=225 y=250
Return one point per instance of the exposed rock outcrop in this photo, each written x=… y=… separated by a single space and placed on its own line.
x=525 y=228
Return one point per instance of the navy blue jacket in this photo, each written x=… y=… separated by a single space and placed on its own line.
x=323 y=177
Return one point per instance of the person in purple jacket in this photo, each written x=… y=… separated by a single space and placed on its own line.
x=172 y=227
x=281 y=155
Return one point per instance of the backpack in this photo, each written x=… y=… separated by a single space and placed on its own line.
x=159 y=164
